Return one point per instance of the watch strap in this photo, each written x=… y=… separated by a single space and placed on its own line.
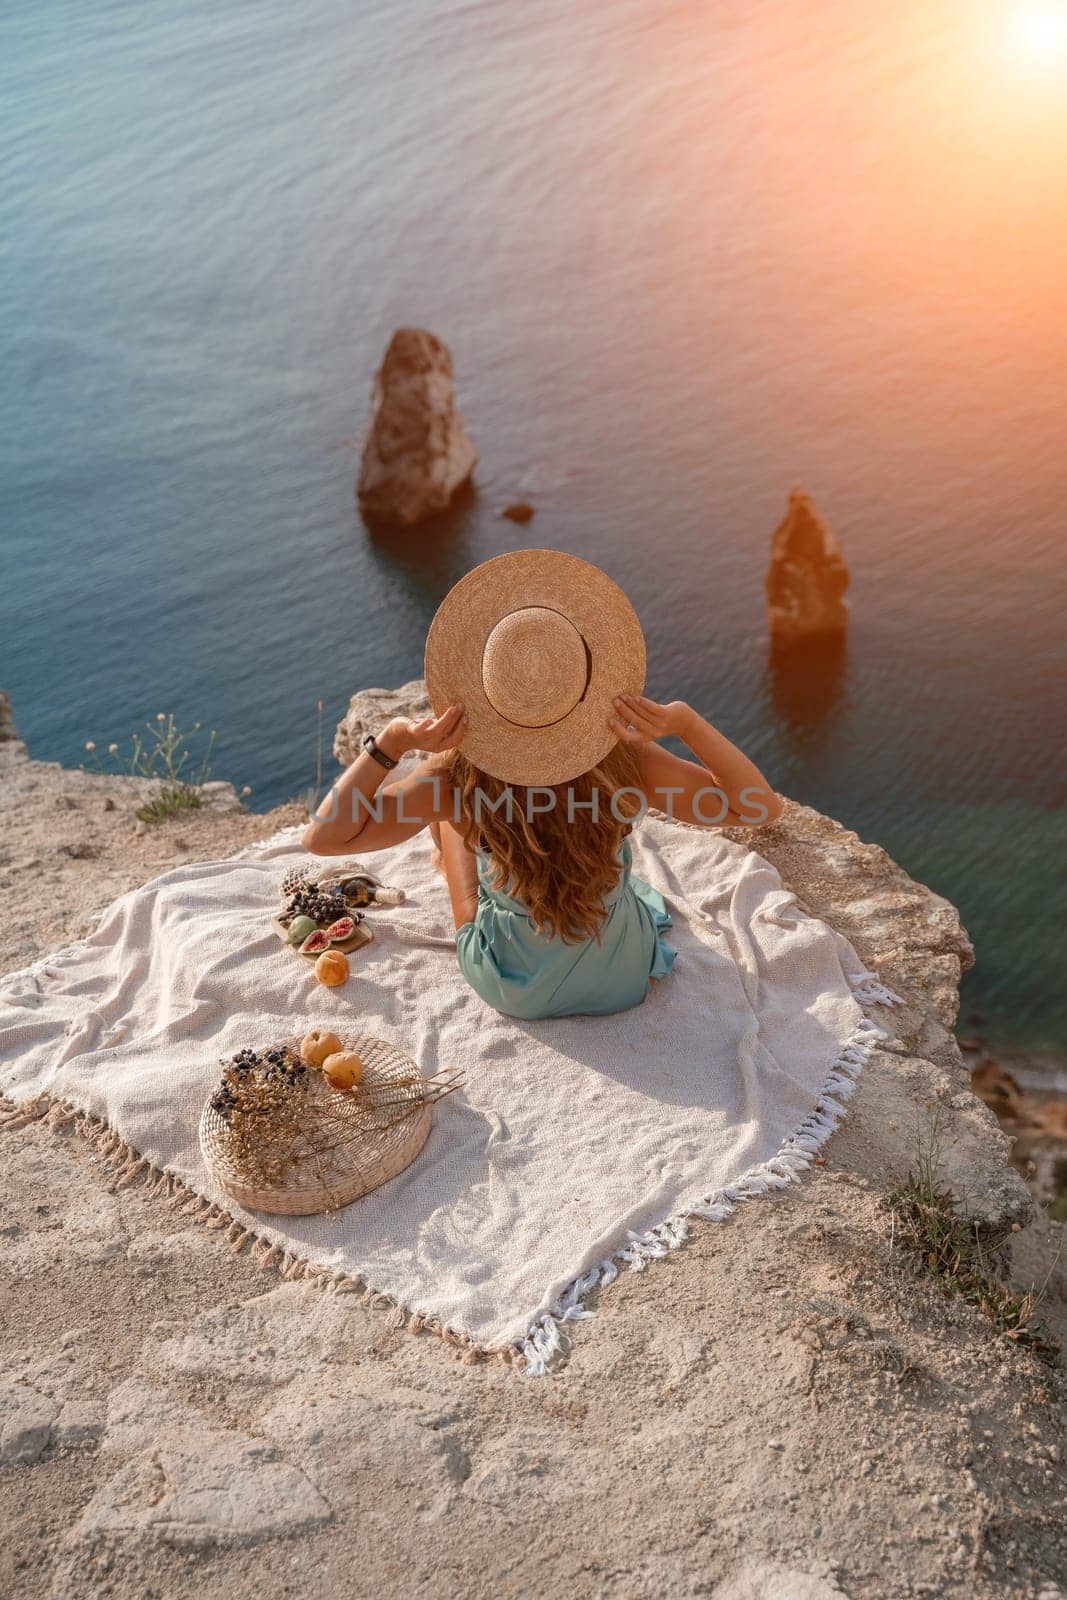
x=370 y=744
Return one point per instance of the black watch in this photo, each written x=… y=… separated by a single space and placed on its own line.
x=370 y=744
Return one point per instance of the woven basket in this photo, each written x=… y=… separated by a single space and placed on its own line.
x=316 y=1182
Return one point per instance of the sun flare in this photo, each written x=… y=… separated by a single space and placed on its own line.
x=1039 y=34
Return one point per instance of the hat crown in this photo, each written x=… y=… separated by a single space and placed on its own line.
x=535 y=666
x=535 y=643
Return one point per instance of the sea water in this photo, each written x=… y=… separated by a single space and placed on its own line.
x=685 y=255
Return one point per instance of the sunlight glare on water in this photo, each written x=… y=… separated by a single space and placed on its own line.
x=1040 y=35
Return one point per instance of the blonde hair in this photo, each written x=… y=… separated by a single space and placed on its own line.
x=559 y=862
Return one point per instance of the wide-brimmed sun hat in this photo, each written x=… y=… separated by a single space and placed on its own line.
x=536 y=644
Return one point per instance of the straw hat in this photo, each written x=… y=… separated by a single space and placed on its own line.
x=536 y=644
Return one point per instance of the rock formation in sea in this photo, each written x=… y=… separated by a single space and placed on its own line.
x=807 y=577
x=416 y=453
x=1038 y=1125
x=8 y=732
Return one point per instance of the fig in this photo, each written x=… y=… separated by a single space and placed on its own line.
x=299 y=930
x=341 y=930
x=315 y=943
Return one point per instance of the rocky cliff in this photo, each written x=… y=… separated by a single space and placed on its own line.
x=780 y=1407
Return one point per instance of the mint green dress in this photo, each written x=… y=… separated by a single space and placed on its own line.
x=525 y=974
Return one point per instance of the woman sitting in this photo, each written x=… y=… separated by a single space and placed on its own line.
x=532 y=782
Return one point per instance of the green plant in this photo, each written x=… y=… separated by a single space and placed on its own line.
x=966 y=1256
x=172 y=798
x=163 y=754
x=1058 y=1209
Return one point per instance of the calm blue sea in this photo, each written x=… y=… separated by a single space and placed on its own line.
x=686 y=256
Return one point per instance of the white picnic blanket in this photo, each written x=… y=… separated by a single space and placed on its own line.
x=575 y=1145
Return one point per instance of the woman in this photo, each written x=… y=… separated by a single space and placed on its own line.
x=531 y=784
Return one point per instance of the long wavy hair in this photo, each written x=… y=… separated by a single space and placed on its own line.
x=559 y=862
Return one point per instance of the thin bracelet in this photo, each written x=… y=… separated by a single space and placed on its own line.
x=370 y=745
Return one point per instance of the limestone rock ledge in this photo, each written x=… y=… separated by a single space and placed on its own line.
x=911 y=936
x=777 y=1408
x=71 y=841
x=370 y=709
x=38 y=781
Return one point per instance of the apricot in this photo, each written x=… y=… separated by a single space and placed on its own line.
x=332 y=968
x=343 y=1069
x=317 y=1045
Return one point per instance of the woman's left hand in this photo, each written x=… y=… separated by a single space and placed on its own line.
x=430 y=734
x=639 y=719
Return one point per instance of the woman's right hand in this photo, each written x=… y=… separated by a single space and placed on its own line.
x=639 y=719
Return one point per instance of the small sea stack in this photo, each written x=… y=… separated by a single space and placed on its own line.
x=807 y=578
x=416 y=453
x=8 y=731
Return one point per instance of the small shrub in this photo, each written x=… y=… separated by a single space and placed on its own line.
x=165 y=753
x=963 y=1254
x=172 y=798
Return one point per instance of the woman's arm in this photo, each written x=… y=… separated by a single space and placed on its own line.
x=726 y=788
x=355 y=810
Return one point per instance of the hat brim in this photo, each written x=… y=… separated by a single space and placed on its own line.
x=455 y=644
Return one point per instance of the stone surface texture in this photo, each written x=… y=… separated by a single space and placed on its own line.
x=370 y=709
x=778 y=1409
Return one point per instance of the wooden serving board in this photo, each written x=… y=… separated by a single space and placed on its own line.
x=360 y=936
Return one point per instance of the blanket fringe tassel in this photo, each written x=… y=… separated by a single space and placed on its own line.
x=126 y=1167
x=546 y=1341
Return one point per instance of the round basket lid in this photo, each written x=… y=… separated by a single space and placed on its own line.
x=347 y=1145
